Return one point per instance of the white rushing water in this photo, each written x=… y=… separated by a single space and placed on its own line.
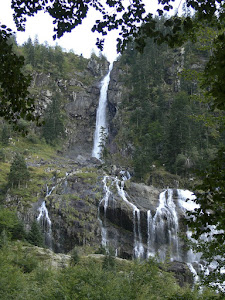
x=44 y=219
x=150 y=250
x=138 y=244
x=43 y=214
x=104 y=200
x=165 y=227
x=109 y=184
x=101 y=120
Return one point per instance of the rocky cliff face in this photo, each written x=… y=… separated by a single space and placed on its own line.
x=79 y=93
x=77 y=204
x=87 y=206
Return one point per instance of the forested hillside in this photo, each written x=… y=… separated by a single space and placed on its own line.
x=166 y=119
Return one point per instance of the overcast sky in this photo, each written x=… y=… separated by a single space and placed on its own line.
x=81 y=39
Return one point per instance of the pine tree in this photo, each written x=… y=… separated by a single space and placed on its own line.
x=5 y=135
x=19 y=173
x=35 y=236
x=29 y=51
x=103 y=139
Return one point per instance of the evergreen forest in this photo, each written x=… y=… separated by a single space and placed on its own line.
x=166 y=115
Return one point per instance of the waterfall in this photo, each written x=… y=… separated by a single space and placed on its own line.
x=44 y=219
x=101 y=124
x=193 y=271
x=138 y=245
x=104 y=200
x=150 y=251
x=111 y=182
x=161 y=238
x=165 y=228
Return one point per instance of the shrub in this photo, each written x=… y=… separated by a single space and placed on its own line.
x=74 y=257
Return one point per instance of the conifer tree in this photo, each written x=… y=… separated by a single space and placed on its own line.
x=35 y=236
x=5 y=135
x=103 y=139
x=19 y=173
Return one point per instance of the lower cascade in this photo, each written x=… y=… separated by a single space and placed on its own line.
x=109 y=184
x=44 y=220
x=154 y=232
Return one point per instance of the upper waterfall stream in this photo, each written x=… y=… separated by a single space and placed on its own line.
x=101 y=120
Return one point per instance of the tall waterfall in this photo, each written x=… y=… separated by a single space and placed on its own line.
x=101 y=123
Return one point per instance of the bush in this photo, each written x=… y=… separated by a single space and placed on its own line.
x=109 y=261
x=74 y=257
x=5 y=135
x=27 y=263
x=10 y=225
x=2 y=155
x=32 y=138
x=101 y=250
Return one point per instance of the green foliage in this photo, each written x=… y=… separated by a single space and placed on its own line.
x=74 y=257
x=43 y=57
x=215 y=72
x=35 y=236
x=2 y=155
x=12 y=280
x=171 y=128
x=108 y=262
x=32 y=138
x=101 y=250
x=26 y=262
x=23 y=276
x=10 y=226
x=23 y=125
x=19 y=173
x=16 y=101
x=5 y=135
x=208 y=221
x=53 y=60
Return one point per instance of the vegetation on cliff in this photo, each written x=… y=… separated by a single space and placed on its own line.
x=35 y=273
x=166 y=120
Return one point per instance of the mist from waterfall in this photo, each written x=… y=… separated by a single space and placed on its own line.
x=101 y=119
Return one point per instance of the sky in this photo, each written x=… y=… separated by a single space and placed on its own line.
x=81 y=40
